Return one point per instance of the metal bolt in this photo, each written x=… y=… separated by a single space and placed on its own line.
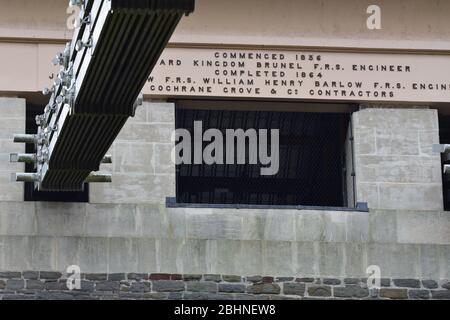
x=80 y=44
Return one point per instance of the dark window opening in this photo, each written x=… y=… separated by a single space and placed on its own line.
x=312 y=161
x=31 y=194
x=444 y=137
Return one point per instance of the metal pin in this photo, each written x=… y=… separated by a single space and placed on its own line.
x=23 y=157
x=25 y=177
x=80 y=44
x=96 y=177
x=440 y=148
x=446 y=168
x=107 y=159
x=25 y=138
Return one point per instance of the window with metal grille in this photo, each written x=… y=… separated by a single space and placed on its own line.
x=312 y=161
x=31 y=194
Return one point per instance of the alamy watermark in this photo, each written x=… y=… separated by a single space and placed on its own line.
x=374 y=277
x=73 y=281
x=231 y=149
x=374 y=20
x=73 y=20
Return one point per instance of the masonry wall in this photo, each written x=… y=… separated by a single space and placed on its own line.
x=394 y=164
x=142 y=167
x=127 y=229
x=12 y=121
x=31 y=285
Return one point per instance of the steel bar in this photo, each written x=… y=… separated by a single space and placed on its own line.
x=25 y=177
x=446 y=168
x=441 y=148
x=24 y=138
x=107 y=159
x=96 y=177
x=23 y=157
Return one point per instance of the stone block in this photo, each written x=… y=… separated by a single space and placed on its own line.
x=35 y=285
x=201 y=286
x=231 y=278
x=111 y=220
x=367 y=192
x=160 y=112
x=250 y=259
x=422 y=227
x=10 y=191
x=30 y=275
x=96 y=276
x=429 y=260
x=50 y=275
x=308 y=280
x=11 y=126
x=334 y=229
x=202 y=224
x=408 y=283
x=397 y=142
x=13 y=107
x=419 y=294
x=411 y=196
x=93 y=254
x=430 y=284
x=297 y=289
x=426 y=140
x=14 y=285
x=278 y=258
x=147 y=255
x=279 y=225
x=394 y=260
x=137 y=276
x=60 y=219
x=123 y=255
x=309 y=226
x=331 y=281
x=107 y=286
x=357 y=227
x=17 y=218
x=134 y=188
x=10 y=275
x=264 y=288
x=195 y=296
x=352 y=281
x=133 y=157
x=116 y=276
x=383 y=226
x=43 y=253
x=393 y=293
x=213 y=277
x=365 y=142
x=398 y=169
x=306 y=266
x=396 y=119
x=231 y=288
x=146 y=132
x=159 y=276
x=319 y=291
x=162 y=159
x=440 y=294
x=52 y=285
x=351 y=291
x=168 y=286
x=140 y=287
x=331 y=260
